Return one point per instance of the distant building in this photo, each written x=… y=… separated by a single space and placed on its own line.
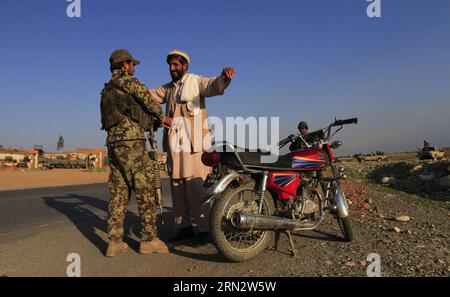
x=16 y=155
x=96 y=155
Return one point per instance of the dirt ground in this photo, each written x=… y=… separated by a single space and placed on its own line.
x=22 y=179
x=418 y=246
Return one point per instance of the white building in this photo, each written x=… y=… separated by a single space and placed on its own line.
x=16 y=155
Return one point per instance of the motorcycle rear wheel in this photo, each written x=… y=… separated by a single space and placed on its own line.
x=239 y=245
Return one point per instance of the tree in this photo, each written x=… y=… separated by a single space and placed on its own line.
x=60 y=144
x=9 y=159
x=39 y=148
x=1 y=147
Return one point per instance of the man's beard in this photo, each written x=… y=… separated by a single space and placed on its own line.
x=177 y=75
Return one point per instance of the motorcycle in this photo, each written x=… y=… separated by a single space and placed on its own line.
x=253 y=201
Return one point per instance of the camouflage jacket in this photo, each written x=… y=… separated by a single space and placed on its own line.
x=127 y=129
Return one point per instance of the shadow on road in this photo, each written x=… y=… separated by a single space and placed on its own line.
x=319 y=235
x=89 y=216
x=83 y=212
x=199 y=253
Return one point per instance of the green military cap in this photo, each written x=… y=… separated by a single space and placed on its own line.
x=122 y=55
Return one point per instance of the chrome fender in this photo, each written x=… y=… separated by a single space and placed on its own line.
x=217 y=188
x=341 y=202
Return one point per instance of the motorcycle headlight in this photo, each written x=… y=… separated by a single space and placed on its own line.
x=336 y=144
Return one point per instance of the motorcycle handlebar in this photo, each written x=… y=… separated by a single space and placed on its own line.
x=285 y=141
x=344 y=122
x=327 y=132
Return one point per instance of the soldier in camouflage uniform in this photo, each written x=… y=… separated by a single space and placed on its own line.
x=297 y=143
x=127 y=109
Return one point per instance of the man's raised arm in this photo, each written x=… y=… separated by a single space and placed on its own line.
x=216 y=85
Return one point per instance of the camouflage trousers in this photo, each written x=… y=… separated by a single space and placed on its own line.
x=131 y=169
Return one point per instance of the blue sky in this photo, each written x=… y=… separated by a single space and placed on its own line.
x=307 y=60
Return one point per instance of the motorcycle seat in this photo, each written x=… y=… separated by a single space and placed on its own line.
x=253 y=160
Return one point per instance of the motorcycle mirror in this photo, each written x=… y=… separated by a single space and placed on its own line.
x=336 y=144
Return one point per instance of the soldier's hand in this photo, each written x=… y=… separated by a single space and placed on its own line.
x=167 y=123
x=228 y=73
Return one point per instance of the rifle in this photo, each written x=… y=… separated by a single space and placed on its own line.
x=153 y=154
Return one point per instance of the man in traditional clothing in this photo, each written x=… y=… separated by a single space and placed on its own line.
x=186 y=136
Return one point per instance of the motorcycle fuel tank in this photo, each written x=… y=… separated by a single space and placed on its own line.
x=309 y=159
x=285 y=184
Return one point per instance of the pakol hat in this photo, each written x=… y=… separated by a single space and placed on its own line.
x=179 y=53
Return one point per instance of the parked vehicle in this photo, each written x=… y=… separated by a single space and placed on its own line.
x=254 y=200
x=22 y=165
x=377 y=156
x=431 y=153
x=65 y=163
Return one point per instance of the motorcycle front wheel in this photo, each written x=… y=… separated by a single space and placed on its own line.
x=346 y=228
x=236 y=244
x=344 y=223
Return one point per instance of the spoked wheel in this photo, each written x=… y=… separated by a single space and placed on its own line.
x=236 y=244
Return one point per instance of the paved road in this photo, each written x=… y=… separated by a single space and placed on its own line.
x=40 y=227
x=23 y=210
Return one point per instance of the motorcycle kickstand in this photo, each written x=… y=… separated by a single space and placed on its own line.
x=277 y=239
x=293 y=250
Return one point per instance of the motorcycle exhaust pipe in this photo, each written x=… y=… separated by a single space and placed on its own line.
x=247 y=220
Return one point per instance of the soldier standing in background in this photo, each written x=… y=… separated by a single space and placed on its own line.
x=297 y=144
x=127 y=109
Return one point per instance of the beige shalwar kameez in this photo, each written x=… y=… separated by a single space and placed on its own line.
x=184 y=143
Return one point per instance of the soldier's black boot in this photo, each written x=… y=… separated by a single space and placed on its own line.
x=184 y=234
